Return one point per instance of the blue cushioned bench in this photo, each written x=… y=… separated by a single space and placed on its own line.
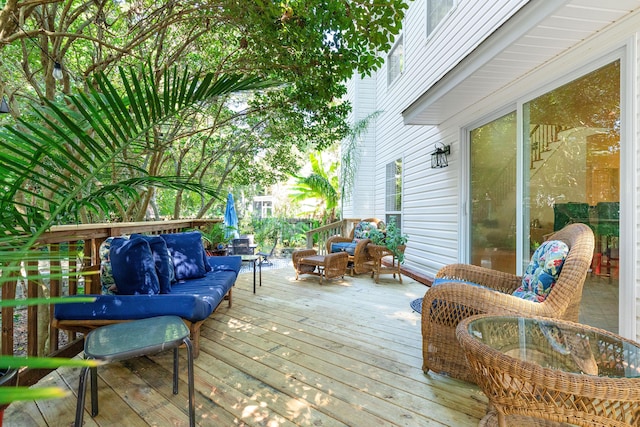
x=194 y=300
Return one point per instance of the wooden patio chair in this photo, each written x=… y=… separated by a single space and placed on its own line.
x=360 y=255
x=447 y=303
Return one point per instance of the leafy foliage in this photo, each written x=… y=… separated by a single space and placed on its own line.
x=51 y=168
x=313 y=47
x=391 y=237
x=321 y=184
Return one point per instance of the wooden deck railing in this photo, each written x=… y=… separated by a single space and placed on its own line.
x=318 y=236
x=71 y=250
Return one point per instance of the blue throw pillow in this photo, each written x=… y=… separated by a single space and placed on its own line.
x=162 y=259
x=187 y=253
x=106 y=276
x=133 y=267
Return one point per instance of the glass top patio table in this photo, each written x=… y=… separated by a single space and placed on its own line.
x=254 y=259
x=552 y=369
x=570 y=347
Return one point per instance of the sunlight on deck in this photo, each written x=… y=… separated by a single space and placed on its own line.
x=296 y=353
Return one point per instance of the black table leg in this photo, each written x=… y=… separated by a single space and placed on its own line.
x=254 y=275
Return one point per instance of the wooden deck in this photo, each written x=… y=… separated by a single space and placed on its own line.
x=347 y=353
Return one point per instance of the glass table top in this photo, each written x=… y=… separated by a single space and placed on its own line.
x=567 y=346
x=135 y=338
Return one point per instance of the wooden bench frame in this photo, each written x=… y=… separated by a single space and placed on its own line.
x=85 y=326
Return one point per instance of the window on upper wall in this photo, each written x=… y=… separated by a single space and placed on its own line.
x=437 y=10
x=395 y=61
x=393 y=191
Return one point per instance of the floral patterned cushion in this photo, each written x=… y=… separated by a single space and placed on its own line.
x=543 y=271
x=362 y=230
x=106 y=274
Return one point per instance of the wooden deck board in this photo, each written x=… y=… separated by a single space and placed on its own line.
x=296 y=353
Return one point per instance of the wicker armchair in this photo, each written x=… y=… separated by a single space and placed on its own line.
x=446 y=304
x=360 y=255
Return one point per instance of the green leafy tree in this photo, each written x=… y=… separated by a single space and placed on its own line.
x=255 y=138
x=321 y=185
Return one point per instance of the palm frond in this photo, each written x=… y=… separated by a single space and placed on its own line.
x=56 y=158
x=317 y=186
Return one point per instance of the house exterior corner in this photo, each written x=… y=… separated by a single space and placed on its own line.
x=538 y=103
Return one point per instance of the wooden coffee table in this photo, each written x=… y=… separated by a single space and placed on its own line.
x=554 y=370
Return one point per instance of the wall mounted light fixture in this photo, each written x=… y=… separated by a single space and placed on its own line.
x=439 y=157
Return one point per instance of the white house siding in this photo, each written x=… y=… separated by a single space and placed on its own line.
x=359 y=203
x=433 y=199
x=430 y=208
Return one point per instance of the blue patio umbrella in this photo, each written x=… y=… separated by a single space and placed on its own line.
x=231 y=218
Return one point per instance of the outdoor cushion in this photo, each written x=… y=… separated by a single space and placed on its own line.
x=193 y=300
x=162 y=260
x=363 y=229
x=187 y=253
x=348 y=247
x=133 y=267
x=131 y=307
x=212 y=287
x=543 y=271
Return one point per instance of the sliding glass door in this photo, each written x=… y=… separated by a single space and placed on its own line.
x=568 y=170
x=572 y=137
x=493 y=194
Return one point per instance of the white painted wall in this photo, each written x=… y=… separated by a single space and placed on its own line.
x=359 y=203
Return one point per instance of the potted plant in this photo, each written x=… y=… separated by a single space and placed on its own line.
x=217 y=237
x=391 y=238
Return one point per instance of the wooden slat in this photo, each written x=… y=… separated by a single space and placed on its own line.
x=55 y=412
x=32 y=310
x=8 y=294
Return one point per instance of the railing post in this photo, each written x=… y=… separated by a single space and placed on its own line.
x=31 y=268
x=8 y=293
x=55 y=271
